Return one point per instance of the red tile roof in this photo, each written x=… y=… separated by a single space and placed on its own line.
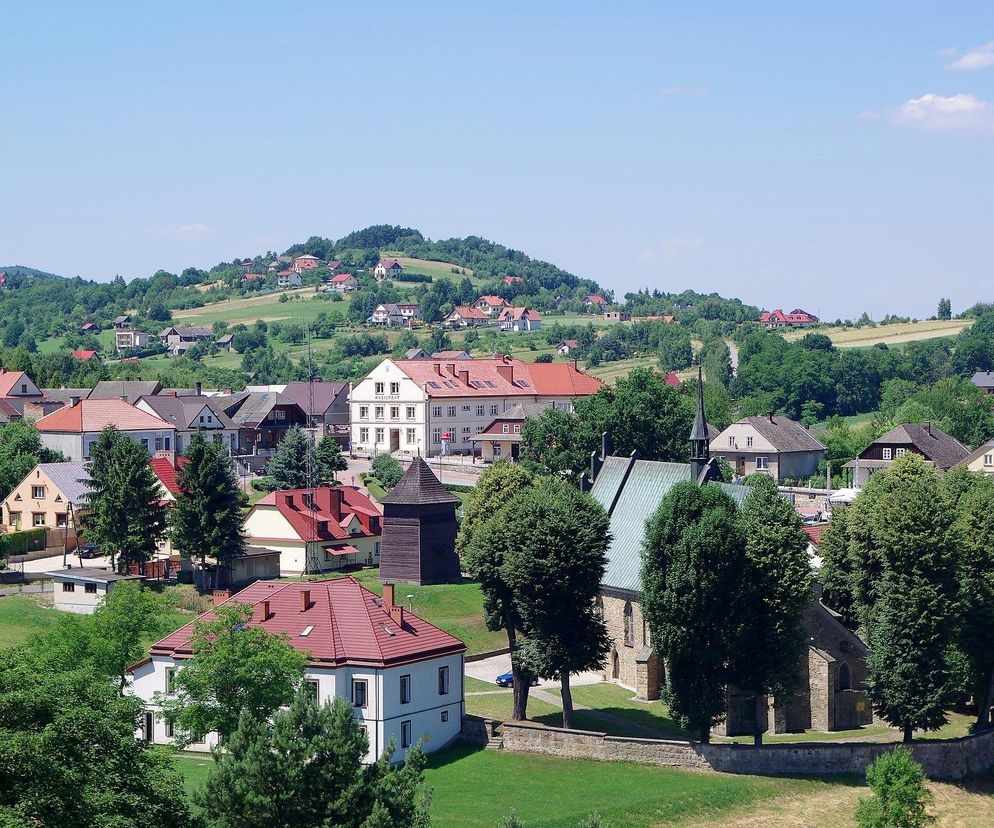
x=8 y=379
x=520 y=313
x=469 y=313
x=596 y=300
x=96 y=415
x=492 y=300
x=814 y=533
x=84 y=355
x=499 y=378
x=166 y=472
x=334 y=508
x=796 y=316
x=511 y=280
x=349 y=625
x=672 y=379
x=341 y=277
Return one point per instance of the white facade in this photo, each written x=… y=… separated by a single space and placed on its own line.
x=206 y=420
x=77 y=446
x=390 y=412
x=82 y=591
x=432 y=717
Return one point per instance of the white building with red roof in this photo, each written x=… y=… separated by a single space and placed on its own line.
x=75 y=428
x=402 y=674
x=305 y=262
x=317 y=530
x=491 y=305
x=415 y=407
x=385 y=268
x=466 y=317
x=797 y=318
x=520 y=319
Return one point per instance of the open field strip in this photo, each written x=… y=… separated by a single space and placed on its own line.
x=887 y=334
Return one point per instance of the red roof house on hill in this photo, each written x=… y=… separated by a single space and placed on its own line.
x=797 y=318
x=86 y=356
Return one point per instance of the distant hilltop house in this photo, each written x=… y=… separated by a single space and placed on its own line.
x=984 y=380
x=491 y=305
x=90 y=327
x=253 y=277
x=178 y=340
x=933 y=444
x=85 y=356
x=286 y=279
x=333 y=265
x=797 y=318
x=122 y=322
x=597 y=303
x=402 y=676
x=465 y=317
x=618 y=316
x=305 y=262
x=771 y=444
x=520 y=319
x=394 y=315
x=343 y=283
x=565 y=346
x=125 y=337
x=385 y=268
x=513 y=280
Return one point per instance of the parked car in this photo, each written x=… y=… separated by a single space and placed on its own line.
x=507 y=680
x=89 y=550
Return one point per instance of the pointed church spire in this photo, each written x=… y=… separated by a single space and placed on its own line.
x=700 y=452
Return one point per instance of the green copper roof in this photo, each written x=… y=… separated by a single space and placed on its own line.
x=635 y=499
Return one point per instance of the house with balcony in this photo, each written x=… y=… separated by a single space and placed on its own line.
x=434 y=406
x=178 y=340
x=387 y=268
x=317 y=530
x=262 y=419
x=402 y=675
x=771 y=444
x=343 y=283
x=287 y=279
x=304 y=263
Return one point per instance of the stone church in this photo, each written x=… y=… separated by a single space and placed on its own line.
x=831 y=672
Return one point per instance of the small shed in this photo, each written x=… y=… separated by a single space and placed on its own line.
x=82 y=589
x=419 y=530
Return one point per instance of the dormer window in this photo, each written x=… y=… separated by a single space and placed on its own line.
x=886 y=454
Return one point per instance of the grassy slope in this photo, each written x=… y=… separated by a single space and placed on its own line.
x=21 y=617
x=888 y=334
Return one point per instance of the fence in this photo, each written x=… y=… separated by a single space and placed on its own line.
x=21 y=543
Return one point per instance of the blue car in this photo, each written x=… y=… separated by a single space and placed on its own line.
x=507 y=680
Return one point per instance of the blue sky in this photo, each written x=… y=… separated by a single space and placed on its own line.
x=832 y=156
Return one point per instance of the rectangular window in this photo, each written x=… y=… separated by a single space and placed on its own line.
x=452 y=411
x=989 y=459
x=899 y=452
x=411 y=436
x=37 y=492
x=886 y=453
x=363 y=412
x=363 y=435
x=378 y=387
x=158 y=444
x=505 y=428
x=67 y=587
x=436 y=435
x=467 y=408
x=378 y=412
x=394 y=387
x=90 y=589
x=494 y=410
x=445 y=715
x=359 y=688
x=405 y=689
x=144 y=443
x=170 y=679
x=394 y=412
x=748 y=442
x=466 y=429
x=379 y=435
x=436 y=411
x=517 y=428
x=479 y=411
x=410 y=412
x=762 y=464
x=38 y=518
x=15 y=519
x=61 y=520
x=443 y=681
x=731 y=442
x=405 y=734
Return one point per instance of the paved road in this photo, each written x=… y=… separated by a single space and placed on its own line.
x=55 y=562
x=446 y=475
x=489 y=668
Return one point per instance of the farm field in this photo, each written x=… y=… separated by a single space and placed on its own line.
x=888 y=334
x=303 y=306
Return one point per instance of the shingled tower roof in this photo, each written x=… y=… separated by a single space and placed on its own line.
x=419 y=485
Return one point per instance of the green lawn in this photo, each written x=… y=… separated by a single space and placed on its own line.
x=621 y=704
x=472 y=685
x=21 y=617
x=476 y=788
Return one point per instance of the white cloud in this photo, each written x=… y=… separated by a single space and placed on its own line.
x=938 y=113
x=979 y=58
x=670 y=248
x=193 y=230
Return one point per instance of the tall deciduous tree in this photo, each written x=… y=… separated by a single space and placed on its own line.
x=911 y=613
x=555 y=443
x=304 y=768
x=294 y=457
x=557 y=540
x=20 y=449
x=329 y=459
x=776 y=590
x=235 y=667
x=119 y=626
x=482 y=549
x=207 y=520
x=124 y=514
x=692 y=567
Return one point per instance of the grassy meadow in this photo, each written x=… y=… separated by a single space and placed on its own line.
x=887 y=334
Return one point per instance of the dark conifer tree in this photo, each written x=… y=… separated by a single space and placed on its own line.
x=288 y=468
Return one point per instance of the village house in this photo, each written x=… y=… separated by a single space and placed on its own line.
x=984 y=380
x=774 y=445
x=395 y=315
x=190 y=415
x=426 y=406
x=262 y=419
x=595 y=302
x=520 y=319
x=302 y=263
x=122 y=322
x=501 y=437
x=386 y=268
x=16 y=390
x=343 y=283
x=323 y=403
x=402 y=675
x=450 y=355
x=333 y=265
x=224 y=342
x=490 y=305
x=797 y=318
x=90 y=327
x=83 y=589
x=177 y=340
x=466 y=317
x=831 y=671
x=618 y=316
x=981 y=460
x=512 y=280
x=287 y=279
x=75 y=428
x=85 y=356
x=317 y=530
x=565 y=346
x=48 y=497
x=126 y=339
x=933 y=444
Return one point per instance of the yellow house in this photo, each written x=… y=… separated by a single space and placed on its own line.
x=46 y=498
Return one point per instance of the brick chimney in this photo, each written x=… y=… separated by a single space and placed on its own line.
x=395 y=610
x=451 y=368
x=219 y=596
x=928 y=428
x=438 y=369
x=464 y=376
x=769 y=416
x=74 y=400
x=506 y=372
x=305 y=600
x=264 y=611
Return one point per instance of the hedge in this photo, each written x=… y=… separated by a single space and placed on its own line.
x=19 y=543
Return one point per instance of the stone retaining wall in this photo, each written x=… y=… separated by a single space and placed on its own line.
x=941 y=759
